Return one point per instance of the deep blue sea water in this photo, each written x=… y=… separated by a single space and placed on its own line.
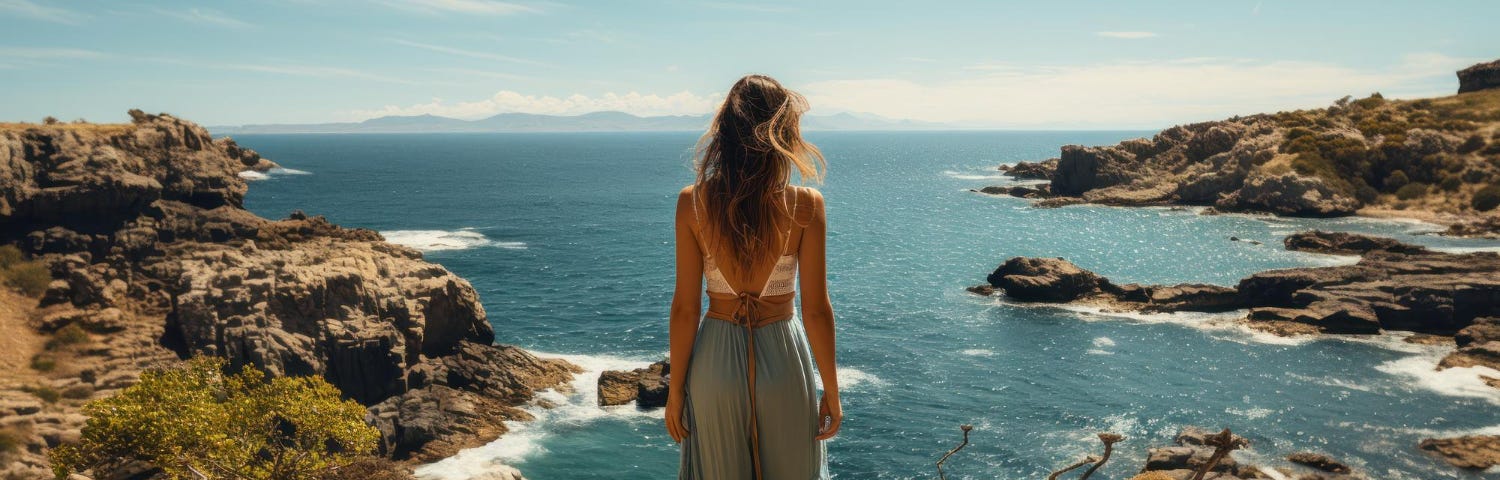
x=567 y=238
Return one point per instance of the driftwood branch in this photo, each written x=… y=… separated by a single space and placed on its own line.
x=1109 y=440
x=966 y=428
x=1086 y=460
x=1223 y=443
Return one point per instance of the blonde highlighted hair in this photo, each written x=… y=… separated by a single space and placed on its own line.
x=745 y=163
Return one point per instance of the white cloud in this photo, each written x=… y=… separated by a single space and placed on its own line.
x=45 y=53
x=1129 y=94
x=472 y=7
x=26 y=8
x=318 y=71
x=1126 y=35
x=466 y=53
x=506 y=101
x=205 y=17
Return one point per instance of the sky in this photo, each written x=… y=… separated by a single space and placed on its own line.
x=971 y=64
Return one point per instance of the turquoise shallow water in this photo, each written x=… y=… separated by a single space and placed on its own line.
x=567 y=239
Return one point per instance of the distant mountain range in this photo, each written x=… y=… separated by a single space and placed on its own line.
x=588 y=122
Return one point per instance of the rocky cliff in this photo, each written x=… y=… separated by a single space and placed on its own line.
x=1437 y=158
x=154 y=260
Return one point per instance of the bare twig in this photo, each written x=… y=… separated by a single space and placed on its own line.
x=1086 y=460
x=1109 y=440
x=966 y=428
x=1223 y=443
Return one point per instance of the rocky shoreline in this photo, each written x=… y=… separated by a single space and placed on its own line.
x=154 y=259
x=1447 y=298
x=1430 y=159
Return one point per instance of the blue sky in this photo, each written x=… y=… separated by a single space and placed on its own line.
x=1054 y=64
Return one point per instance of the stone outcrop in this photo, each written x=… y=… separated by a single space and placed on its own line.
x=646 y=386
x=1394 y=286
x=1478 y=77
x=143 y=229
x=1335 y=161
x=1473 y=452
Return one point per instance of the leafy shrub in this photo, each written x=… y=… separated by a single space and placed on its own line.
x=43 y=392
x=1365 y=193
x=67 y=336
x=1411 y=191
x=1372 y=101
x=10 y=255
x=30 y=278
x=1492 y=149
x=78 y=392
x=1396 y=180
x=43 y=363
x=50 y=120
x=1486 y=199
x=1472 y=144
x=196 y=418
x=1451 y=183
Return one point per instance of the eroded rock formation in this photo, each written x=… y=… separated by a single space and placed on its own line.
x=143 y=229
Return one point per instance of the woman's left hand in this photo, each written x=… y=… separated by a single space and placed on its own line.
x=830 y=415
x=675 y=428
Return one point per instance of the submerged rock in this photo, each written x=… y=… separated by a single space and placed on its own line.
x=1043 y=280
x=646 y=386
x=1473 y=452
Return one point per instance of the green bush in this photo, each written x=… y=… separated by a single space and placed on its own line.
x=245 y=426
x=1486 y=199
x=78 y=392
x=10 y=255
x=1451 y=183
x=1411 y=191
x=30 y=278
x=1396 y=180
x=68 y=336
x=43 y=363
x=45 y=393
x=1472 y=144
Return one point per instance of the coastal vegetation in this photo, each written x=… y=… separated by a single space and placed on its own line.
x=194 y=421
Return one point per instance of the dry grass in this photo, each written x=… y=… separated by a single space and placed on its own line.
x=100 y=128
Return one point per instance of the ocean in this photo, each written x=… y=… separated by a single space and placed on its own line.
x=568 y=239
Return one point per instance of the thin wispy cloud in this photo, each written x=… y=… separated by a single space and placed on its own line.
x=47 y=53
x=480 y=73
x=467 y=53
x=318 y=71
x=507 y=101
x=469 y=7
x=1131 y=94
x=746 y=7
x=1126 y=35
x=29 y=9
x=205 y=17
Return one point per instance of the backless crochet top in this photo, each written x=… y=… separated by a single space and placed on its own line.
x=751 y=310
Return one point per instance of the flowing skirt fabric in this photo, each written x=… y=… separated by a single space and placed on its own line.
x=717 y=406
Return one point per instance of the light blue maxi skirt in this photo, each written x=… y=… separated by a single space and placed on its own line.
x=718 y=405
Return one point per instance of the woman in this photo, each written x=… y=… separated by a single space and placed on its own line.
x=741 y=395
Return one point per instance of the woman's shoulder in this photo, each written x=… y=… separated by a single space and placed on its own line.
x=809 y=201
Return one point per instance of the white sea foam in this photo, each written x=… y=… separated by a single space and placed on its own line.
x=1458 y=382
x=976 y=175
x=571 y=409
x=434 y=240
x=978 y=352
x=851 y=378
x=254 y=176
x=1488 y=248
x=1226 y=325
x=1103 y=342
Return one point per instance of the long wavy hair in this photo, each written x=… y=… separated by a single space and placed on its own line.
x=745 y=162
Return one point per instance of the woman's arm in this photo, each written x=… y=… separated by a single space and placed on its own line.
x=687 y=304
x=817 y=313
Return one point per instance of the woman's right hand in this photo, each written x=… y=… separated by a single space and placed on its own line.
x=675 y=401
